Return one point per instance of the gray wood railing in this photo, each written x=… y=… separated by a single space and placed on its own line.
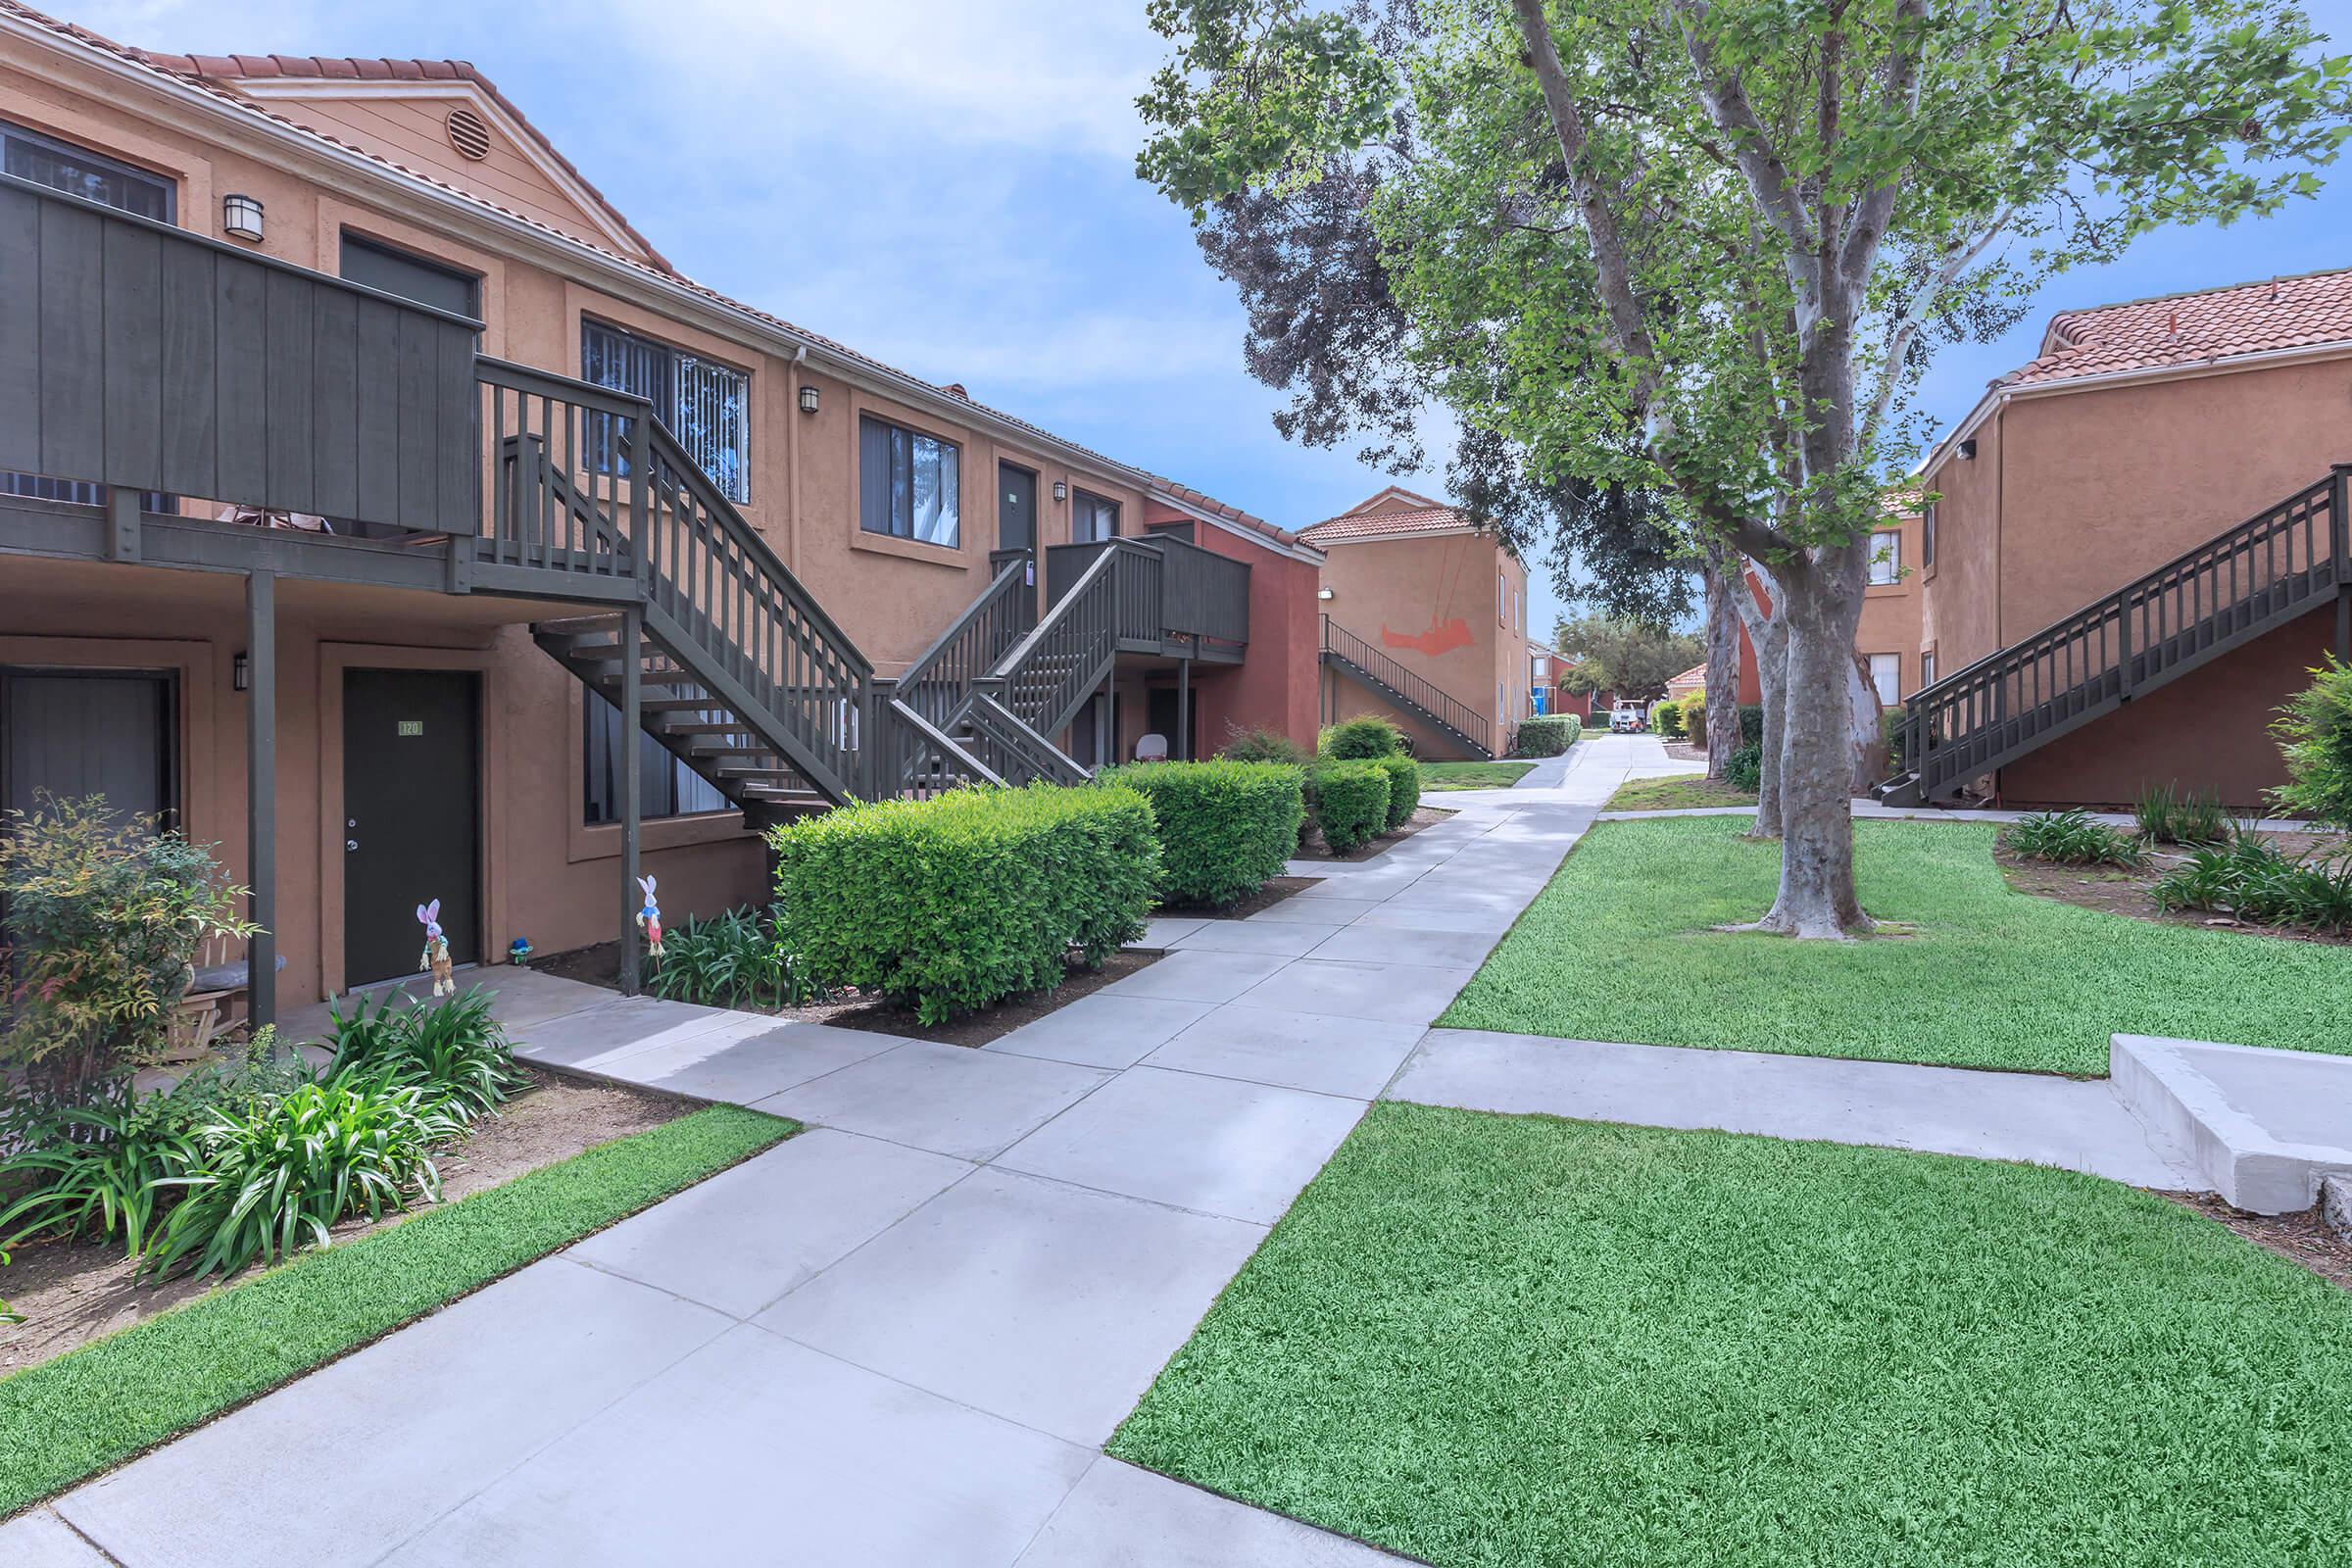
x=1168 y=593
x=1467 y=723
x=1203 y=595
x=938 y=684
x=2279 y=563
x=1049 y=675
x=149 y=358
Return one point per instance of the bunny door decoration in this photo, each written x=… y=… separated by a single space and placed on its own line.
x=650 y=917
x=436 y=948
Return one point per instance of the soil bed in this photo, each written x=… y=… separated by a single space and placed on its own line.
x=599 y=966
x=2301 y=1237
x=2130 y=893
x=1273 y=891
x=1312 y=848
x=73 y=1292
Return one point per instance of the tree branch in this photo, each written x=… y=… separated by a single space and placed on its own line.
x=1768 y=177
x=1876 y=210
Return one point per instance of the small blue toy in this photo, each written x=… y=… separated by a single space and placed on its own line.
x=518 y=951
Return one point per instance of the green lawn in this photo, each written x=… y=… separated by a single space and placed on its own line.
x=1472 y=775
x=107 y=1402
x=1619 y=947
x=1676 y=794
x=1491 y=1341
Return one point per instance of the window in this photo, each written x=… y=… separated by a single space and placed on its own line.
x=1886 y=675
x=705 y=404
x=1092 y=518
x=412 y=277
x=1927 y=535
x=906 y=484
x=75 y=732
x=665 y=786
x=1886 y=558
x=1927 y=666
x=93 y=177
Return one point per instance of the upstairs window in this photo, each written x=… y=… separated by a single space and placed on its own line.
x=1092 y=518
x=412 y=277
x=78 y=171
x=1886 y=558
x=707 y=406
x=906 y=484
x=1886 y=675
x=1927 y=535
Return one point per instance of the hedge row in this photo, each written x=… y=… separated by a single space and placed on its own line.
x=952 y=903
x=1404 y=789
x=1351 y=800
x=1548 y=734
x=1224 y=827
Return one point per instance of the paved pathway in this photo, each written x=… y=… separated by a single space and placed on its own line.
x=904 y=1337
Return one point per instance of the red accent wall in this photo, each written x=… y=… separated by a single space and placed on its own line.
x=1274 y=685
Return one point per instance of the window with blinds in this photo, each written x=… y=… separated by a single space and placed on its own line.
x=707 y=406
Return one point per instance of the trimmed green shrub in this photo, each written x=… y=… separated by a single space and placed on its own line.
x=1352 y=802
x=1262 y=745
x=1360 y=738
x=1666 y=719
x=1224 y=827
x=1405 y=788
x=2070 y=838
x=2315 y=733
x=952 y=903
x=1695 y=718
x=1743 y=769
x=1547 y=735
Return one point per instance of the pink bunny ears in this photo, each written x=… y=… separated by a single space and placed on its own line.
x=428 y=916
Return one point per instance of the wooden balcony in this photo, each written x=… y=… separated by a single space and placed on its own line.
x=1174 y=598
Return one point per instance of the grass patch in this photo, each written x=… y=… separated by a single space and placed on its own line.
x=1676 y=794
x=1492 y=1341
x=85 y=1411
x=1619 y=947
x=1473 y=775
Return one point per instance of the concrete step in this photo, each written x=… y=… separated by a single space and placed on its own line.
x=2263 y=1126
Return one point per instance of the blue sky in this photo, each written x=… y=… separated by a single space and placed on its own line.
x=948 y=185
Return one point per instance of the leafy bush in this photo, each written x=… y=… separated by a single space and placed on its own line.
x=453 y=1049
x=735 y=960
x=2255 y=880
x=1404 y=789
x=1751 y=724
x=106 y=917
x=2315 y=733
x=1262 y=745
x=1695 y=718
x=273 y=1177
x=953 y=903
x=2071 y=838
x=1356 y=739
x=1666 y=719
x=1743 y=769
x=2167 y=817
x=1547 y=735
x=1224 y=827
x=1352 y=802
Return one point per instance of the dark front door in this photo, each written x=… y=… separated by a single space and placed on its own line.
x=412 y=804
x=1161 y=721
x=1016 y=508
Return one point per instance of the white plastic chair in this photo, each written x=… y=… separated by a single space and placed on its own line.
x=1151 y=749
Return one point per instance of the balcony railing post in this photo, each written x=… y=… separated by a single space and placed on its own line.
x=641 y=489
x=2340 y=536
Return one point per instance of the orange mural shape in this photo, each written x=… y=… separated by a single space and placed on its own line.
x=1442 y=637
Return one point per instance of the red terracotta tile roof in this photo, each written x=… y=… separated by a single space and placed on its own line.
x=1234 y=514
x=1354 y=526
x=2186 y=329
x=1695 y=675
x=359 y=68
x=263 y=68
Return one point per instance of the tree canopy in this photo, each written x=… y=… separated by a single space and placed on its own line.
x=1622 y=655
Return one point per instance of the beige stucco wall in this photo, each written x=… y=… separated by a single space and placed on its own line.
x=1891 y=615
x=1448 y=607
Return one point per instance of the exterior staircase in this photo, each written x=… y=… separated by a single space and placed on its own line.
x=1366 y=665
x=2277 y=566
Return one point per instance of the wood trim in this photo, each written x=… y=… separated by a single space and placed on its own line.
x=335 y=658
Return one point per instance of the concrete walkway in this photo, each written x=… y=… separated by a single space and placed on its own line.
x=905 y=1336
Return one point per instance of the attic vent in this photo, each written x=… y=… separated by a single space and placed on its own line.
x=468 y=134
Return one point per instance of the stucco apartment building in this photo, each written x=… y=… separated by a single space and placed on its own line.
x=1425 y=622
x=2136 y=550
x=351 y=441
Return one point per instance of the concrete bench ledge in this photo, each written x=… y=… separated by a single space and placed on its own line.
x=2263 y=1126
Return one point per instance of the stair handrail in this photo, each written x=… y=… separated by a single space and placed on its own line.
x=1080 y=619
x=956 y=761
x=997 y=725
x=1447 y=709
x=1917 y=737
x=974 y=641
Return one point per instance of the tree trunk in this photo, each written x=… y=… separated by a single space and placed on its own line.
x=1820 y=608
x=1722 y=661
x=1772 y=676
x=1869 y=728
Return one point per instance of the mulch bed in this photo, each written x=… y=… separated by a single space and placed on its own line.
x=2130 y=893
x=1684 y=752
x=1266 y=898
x=599 y=966
x=2303 y=1238
x=73 y=1292
x=1312 y=848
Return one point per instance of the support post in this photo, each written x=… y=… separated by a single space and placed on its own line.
x=2339 y=535
x=261 y=794
x=632 y=719
x=1183 y=710
x=123 y=523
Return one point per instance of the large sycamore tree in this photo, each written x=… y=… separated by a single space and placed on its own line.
x=1703 y=249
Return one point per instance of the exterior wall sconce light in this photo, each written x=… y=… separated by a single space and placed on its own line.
x=1061 y=492
x=240 y=672
x=1325 y=593
x=1968 y=449
x=808 y=399
x=241 y=217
